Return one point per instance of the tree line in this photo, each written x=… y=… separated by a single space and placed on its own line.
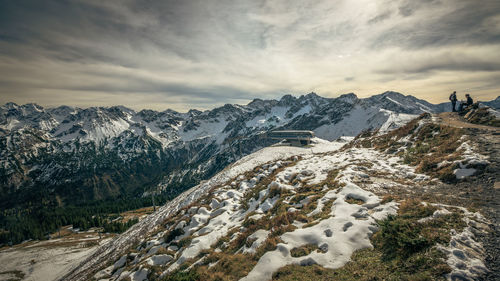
x=30 y=222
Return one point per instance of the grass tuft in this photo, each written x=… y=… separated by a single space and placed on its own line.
x=304 y=250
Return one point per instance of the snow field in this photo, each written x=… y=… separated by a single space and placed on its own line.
x=247 y=163
x=44 y=260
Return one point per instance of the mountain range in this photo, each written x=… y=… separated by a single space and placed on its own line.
x=68 y=154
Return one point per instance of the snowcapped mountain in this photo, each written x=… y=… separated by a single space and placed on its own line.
x=494 y=103
x=98 y=152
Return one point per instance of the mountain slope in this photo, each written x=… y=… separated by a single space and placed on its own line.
x=298 y=213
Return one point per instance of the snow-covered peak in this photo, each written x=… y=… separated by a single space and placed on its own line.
x=393 y=94
x=494 y=103
x=9 y=105
x=400 y=103
x=122 y=110
x=348 y=98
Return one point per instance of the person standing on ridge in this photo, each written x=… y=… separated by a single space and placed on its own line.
x=453 y=99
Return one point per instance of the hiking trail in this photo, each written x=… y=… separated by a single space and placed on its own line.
x=481 y=191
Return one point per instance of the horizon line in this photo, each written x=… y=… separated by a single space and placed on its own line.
x=296 y=96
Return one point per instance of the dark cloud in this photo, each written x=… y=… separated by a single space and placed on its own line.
x=380 y=17
x=465 y=22
x=409 y=7
x=71 y=30
x=446 y=61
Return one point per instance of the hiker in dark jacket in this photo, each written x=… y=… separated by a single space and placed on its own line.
x=465 y=105
x=453 y=99
x=469 y=101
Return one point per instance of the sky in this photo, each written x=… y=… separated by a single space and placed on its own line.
x=186 y=54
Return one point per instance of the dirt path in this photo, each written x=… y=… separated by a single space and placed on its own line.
x=482 y=191
x=455 y=120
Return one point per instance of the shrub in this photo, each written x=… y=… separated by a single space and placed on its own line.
x=172 y=234
x=182 y=276
x=399 y=237
x=413 y=208
x=185 y=241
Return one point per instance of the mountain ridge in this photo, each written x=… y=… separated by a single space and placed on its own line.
x=493 y=103
x=102 y=149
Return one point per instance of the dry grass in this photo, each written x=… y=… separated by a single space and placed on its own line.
x=351 y=200
x=326 y=211
x=483 y=117
x=165 y=251
x=387 y=198
x=184 y=242
x=310 y=224
x=428 y=146
x=270 y=244
x=304 y=250
x=263 y=184
x=228 y=267
x=138 y=213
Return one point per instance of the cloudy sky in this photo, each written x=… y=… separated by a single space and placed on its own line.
x=200 y=54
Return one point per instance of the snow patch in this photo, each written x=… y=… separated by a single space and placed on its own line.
x=340 y=235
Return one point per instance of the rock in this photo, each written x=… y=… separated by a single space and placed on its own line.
x=216 y=213
x=120 y=263
x=363 y=175
x=459 y=254
x=347 y=225
x=253 y=181
x=181 y=224
x=192 y=210
x=159 y=259
x=307 y=262
x=274 y=184
x=307 y=172
x=214 y=204
x=140 y=275
x=324 y=247
x=154 y=250
x=203 y=211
